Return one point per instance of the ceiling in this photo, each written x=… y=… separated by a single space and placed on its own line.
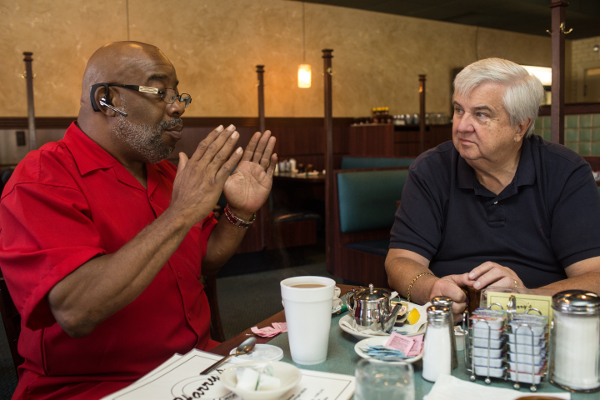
x=524 y=16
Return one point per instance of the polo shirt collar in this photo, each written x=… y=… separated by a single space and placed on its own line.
x=525 y=174
x=90 y=156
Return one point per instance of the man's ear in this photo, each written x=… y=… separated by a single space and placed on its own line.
x=104 y=101
x=99 y=96
x=521 y=129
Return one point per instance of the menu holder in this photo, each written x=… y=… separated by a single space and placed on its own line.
x=509 y=338
x=519 y=300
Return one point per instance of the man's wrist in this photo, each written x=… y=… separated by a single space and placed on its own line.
x=409 y=292
x=245 y=215
x=236 y=220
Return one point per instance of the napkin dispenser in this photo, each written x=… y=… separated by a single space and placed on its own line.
x=372 y=309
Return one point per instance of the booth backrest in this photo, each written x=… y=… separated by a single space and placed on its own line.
x=374 y=162
x=368 y=200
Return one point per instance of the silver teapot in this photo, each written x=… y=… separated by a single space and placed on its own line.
x=371 y=308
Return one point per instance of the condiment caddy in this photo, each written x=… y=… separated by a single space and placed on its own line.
x=506 y=345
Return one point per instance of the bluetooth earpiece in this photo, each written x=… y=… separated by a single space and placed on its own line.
x=103 y=101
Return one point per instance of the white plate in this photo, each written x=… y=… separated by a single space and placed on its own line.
x=406 y=330
x=380 y=341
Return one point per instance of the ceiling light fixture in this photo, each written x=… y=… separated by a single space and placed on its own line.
x=544 y=74
x=304 y=72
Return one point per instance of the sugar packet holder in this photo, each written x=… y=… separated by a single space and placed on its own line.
x=506 y=345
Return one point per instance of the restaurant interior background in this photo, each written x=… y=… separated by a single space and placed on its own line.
x=215 y=46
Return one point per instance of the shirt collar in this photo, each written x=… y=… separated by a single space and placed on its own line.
x=88 y=155
x=525 y=174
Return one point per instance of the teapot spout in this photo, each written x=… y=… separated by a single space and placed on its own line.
x=389 y=322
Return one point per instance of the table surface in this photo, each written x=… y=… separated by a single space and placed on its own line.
x=341 y=358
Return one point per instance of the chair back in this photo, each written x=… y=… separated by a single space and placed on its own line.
x=210 y=288
x=12 y=322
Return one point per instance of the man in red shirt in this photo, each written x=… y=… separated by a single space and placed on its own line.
x=102 y=240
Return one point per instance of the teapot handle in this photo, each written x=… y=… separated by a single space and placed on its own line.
x=349 y=296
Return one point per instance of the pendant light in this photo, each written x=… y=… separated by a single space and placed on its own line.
x=304 y=73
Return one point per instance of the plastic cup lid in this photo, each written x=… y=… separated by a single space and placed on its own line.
x=262 y=352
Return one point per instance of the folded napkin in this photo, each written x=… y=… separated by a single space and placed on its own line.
x=449 y=387
x=268 y=331
x=336 y=306
x=368 y=331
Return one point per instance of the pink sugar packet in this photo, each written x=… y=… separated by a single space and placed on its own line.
x=417 y=346
x=400 y=342
x=268 y=331
x=280 y=325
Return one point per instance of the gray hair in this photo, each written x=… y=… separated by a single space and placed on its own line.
x=524 y=92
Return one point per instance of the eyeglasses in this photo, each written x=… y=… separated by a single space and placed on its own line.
x=168 y=95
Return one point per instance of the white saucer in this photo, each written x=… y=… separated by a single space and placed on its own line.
x=261 y=352
x=380 y=341
x=406 y=330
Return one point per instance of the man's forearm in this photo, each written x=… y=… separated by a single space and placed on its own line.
x=401 y=273
x=104 y=285
x=589 y=282
x=223 y=242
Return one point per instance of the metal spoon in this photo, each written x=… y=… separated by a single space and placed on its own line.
x=244 y=348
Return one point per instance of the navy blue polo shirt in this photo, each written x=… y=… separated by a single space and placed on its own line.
x=546 y=219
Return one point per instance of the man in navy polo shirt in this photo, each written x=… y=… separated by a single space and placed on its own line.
x=497 y=205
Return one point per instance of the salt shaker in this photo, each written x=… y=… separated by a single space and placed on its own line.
x=437 y=357
x=445 y=301
x=575 y=341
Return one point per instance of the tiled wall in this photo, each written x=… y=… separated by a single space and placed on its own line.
x=582 y=132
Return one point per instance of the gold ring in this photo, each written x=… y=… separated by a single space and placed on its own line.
x=516 y=284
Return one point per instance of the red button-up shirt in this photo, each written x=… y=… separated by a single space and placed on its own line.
x=66 y=203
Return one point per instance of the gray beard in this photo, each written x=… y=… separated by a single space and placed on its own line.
x=145 y=140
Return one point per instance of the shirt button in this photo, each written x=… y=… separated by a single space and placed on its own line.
x=179 y=274
x=495 y=202
x=189 y=317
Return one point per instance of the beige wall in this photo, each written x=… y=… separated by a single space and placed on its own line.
x=583 y=57
x=215 y=44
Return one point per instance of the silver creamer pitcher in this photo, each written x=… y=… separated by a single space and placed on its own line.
x=372 y=309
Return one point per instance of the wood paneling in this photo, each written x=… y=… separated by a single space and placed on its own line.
x=394 y=141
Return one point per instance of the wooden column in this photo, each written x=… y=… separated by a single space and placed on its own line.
x=30 y=108
x=421 y=113
x=329 y=195
x=260 y=71
x=263 y=214
x=557 y=108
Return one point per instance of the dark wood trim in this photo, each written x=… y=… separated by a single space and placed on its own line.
x=192 y=122
x=30 y=107
x=421 y=113
x=329 y=185
x=558 y=72
x=574 y=108
x=260 y=72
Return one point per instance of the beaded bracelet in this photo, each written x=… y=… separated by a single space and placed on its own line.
x=413 y=282
x=237 y=221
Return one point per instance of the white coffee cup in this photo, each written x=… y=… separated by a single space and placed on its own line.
x=308 y=316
